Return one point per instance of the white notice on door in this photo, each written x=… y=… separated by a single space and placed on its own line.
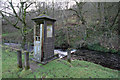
x=49 y=31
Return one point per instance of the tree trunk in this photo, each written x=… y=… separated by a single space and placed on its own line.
x=23 y=42
x=100 y=14
x=119 y=33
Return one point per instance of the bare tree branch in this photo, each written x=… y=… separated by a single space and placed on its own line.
x=75 y=12
x=15 y=12
x=116 y=15
x=17 y=27
x=7 y=13
x=28 y=6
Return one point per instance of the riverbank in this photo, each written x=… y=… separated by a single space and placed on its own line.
x=108 y=60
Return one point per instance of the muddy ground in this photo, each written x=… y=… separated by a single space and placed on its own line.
x=105 y=59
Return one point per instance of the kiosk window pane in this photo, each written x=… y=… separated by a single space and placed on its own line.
x=49 y=31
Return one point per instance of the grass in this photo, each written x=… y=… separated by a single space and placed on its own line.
x=55 y=69
x=10 y=34
x=6 y=34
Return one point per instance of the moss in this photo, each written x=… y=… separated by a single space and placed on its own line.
x=18 y=66
x=98 y=47
x=43 y=14
x=6 y=34
x=27 y=67
x=69 y=60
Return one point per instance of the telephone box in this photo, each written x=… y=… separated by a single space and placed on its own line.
x=43 y=38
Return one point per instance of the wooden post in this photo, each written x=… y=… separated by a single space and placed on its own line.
x=19 y=58
x=69 y=55
x=27 y=66
x=34 y=38
x=35 y=32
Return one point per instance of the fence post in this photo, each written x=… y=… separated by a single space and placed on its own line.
x=27 y=65
x=69 y=55
x=19 y=58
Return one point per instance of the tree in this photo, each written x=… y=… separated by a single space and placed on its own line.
x=20 y=17
x=77 y=9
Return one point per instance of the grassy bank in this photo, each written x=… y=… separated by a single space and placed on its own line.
x=55 y=69
x=98 y=47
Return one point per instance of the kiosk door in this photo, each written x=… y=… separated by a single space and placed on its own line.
x=38 y=44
